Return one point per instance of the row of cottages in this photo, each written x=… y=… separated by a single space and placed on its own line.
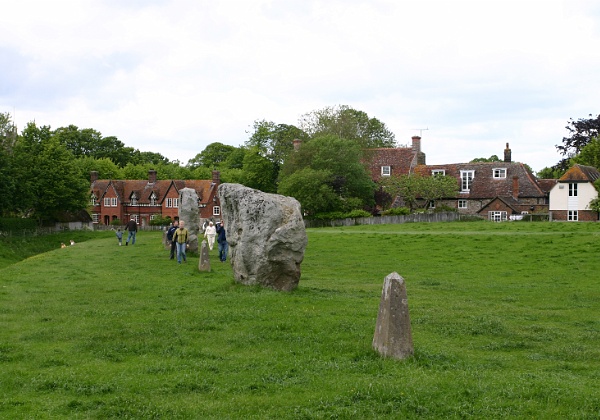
x=145 y=200
x=494 y=190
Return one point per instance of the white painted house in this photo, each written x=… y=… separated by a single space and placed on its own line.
x=571 y=196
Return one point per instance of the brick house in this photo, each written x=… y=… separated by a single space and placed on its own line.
x=493 y=190
x=146 y=199
x=571 y=196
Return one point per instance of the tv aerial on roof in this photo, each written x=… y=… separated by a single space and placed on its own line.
x=420 y=130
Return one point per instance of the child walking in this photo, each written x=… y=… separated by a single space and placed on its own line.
x=119 y=236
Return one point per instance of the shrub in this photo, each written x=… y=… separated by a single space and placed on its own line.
x=358 y=213
x=396 y=211
x=160 y=221
x=8 y=224
x=443 y=208
x=116 y=222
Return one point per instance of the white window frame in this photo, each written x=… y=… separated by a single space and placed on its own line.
x=435 y=172
x=153 y=200
x=573 y=215
x=216 y=211
x=95 y=218
x=386 y=170
x=463 y=204
x=466 y=179
x=499 y=173
x=113 y=201
x=497 y=216
x=106 y=201
x=93 y=200
x=172 y=202
x=573 y=189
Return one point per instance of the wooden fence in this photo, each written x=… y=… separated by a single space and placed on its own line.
x=391 y=220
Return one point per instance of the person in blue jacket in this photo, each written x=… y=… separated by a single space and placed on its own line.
x=222 y=241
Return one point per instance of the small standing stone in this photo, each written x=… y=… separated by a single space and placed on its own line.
x=393 y=336
x=204 y=264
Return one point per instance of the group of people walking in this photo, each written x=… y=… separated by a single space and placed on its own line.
x=179 y=238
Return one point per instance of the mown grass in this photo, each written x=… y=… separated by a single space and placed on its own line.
x=504 y=317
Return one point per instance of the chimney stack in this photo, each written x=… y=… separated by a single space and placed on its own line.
x=297 y=143
x=507 y=154
x=416 y=143
x=94 y=176
x=515 y=187
x=151 y=176
x=216 y=177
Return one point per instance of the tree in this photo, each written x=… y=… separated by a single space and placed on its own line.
x=274 y=141
x=8 y=132
x=312 y=188
x=259 y=172
x=212 y=156
x=341 y=161
x=7 y=182
x=589 y=154
x=581 y=133
x=417 y=190
x=550 y=173
x=349 y=124
x=493 y=158
x=47 y=175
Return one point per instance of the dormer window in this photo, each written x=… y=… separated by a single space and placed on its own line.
x=134 y=200
x=386 y=170
x=499 y=173
x=93 y=200
x=438 y=172
x=153 y=199
x=466 y=179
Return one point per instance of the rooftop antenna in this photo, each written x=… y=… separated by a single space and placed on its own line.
x=420 y=130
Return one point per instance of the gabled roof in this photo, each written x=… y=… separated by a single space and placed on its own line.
x=143 y=189
x=484 y=185
x=547 y=184
x=580 y=173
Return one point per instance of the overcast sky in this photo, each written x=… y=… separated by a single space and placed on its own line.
x=174 y=76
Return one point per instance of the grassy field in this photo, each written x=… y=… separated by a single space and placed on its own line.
x=505 y=320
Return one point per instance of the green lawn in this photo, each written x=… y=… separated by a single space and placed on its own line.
x=505 y=321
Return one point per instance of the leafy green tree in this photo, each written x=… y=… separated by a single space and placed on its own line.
x=259 y=172
x=8 y=132
x=47 y=175
x=349 y=124
x=7 y=181
x=550 y=173
x=105 y=167
x=341 y=161
x=313 y=189
x=274 y=141
x=589 y=154
x=212 y=156
x=581 y=133
x=493 y=158
x=417 y=190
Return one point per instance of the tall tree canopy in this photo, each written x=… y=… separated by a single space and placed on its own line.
x=338 y=164
x=348 y=124
x=48 y=178
x=581 y=133
x=274 y=141
x=212 y=156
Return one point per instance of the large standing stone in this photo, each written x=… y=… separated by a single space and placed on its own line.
x=266 y=236
x=393 y=336
x=190 y=214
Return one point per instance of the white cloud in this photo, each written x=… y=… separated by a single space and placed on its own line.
x=173 y=76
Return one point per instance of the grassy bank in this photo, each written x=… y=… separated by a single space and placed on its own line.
x=505 y=324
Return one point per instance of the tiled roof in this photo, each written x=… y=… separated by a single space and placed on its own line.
x=484 y=185
x=144 y=189
x=580 y=173
x=400 y=160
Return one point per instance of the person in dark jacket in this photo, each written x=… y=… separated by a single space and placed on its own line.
x=131 y=226
x=170 y=233
x=222 y=241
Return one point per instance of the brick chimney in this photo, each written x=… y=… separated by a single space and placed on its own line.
x=94 y=176
x=416 y=143
x=216 y=177
x=297 y=144
x=515 y=187
x=507 y=154
x=151 y=176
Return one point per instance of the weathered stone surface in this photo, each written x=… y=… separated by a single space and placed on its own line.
x=393 y=336
x=190 y=214
x=204 y=263
x=266 y=236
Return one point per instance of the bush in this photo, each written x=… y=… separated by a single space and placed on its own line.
x=160 y=221
x=357 y=213
x=336 y=215
x=443 y=208
x=396 y=211
x=116 y=222
x=8 y=224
